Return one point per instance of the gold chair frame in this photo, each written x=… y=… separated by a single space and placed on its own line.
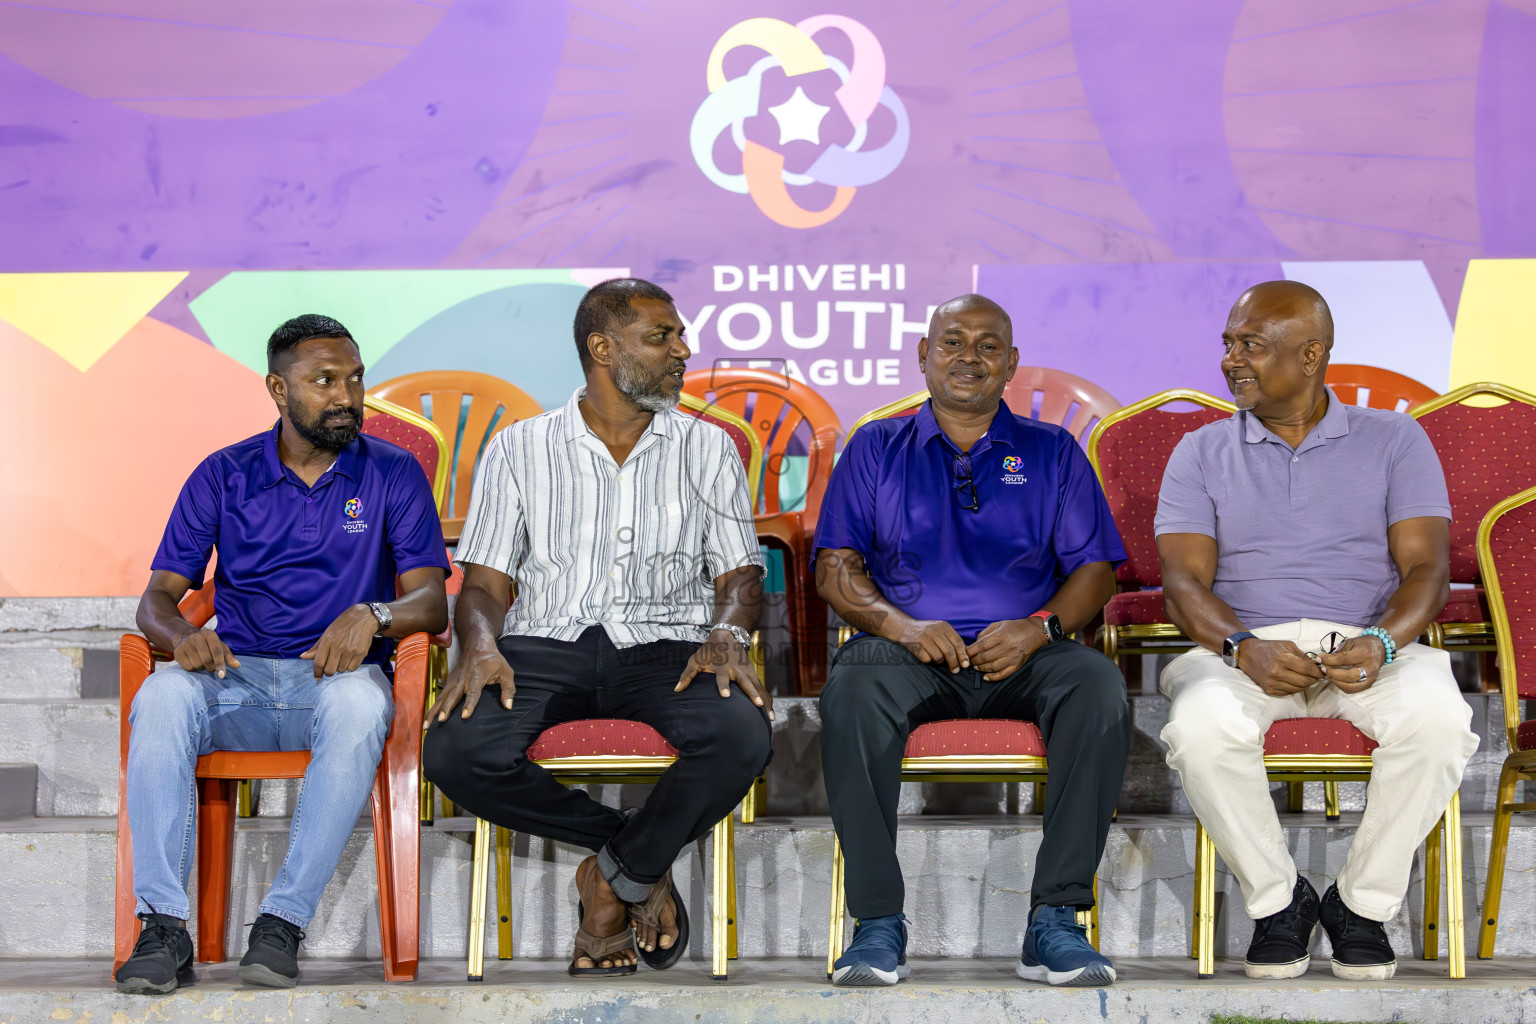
x=1518 y=764
x=911 y=401
x=1332 y=769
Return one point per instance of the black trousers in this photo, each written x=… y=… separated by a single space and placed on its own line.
x=877 y=693
x=481 y=762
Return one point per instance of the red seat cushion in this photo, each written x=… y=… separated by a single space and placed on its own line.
x=1525 y=735
x=595 y=737
x=1316 y=736
x=1465 y=606
x=976 y=736
x=1135 y=608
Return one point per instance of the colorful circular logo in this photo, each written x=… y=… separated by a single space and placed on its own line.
x=1012 y=463
x=731 y=101
x=354 y=507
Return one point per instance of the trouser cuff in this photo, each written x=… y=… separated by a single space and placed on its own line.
x=625 y=886
x=1077 y=896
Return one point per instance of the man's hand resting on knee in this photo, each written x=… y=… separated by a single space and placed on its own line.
x=471 y=674
x=728 y=660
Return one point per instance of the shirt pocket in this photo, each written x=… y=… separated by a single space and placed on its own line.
x=668 y=546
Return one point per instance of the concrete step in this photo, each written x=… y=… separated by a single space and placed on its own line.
x=18 y=791
x=975 y=991
x=74 y=745
x=968 y=883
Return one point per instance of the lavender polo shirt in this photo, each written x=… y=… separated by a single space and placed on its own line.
x=1303 y=534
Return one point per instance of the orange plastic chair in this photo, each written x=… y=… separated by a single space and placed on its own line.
x=1376 y=388
x=396 y=818
x=1065 y=399
x=777 y=407
x=442 y=396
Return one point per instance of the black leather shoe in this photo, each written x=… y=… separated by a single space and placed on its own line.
x=1361 y=951
x=161 y=960
x=272 y=960
x=1280 y=941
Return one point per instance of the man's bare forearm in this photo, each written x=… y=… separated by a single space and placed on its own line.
x=843 y=583
x=480 y=610
x=161 y=621
x=739 y=597
x=1415 y=603
x=1083 y=595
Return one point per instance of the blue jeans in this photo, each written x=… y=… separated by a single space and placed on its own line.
x=265 y=704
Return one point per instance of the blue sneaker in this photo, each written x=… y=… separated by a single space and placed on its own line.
x=1057 y=950
x=877 y=955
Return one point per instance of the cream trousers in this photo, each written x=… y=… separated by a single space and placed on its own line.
x=1215 y=737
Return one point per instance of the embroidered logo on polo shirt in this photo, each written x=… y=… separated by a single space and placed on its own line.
x=353 y=508
x=1011 y=466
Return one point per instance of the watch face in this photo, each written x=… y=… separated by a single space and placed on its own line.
x=1053 y=628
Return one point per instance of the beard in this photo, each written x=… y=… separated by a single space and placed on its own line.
x=650 y=391
x=318 y=434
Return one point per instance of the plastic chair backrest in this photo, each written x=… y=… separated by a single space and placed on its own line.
x=1506 y=552
x=740 y=433
x=1065 y=399
x=777 y=407
x=1486 y=454
x=468 y=409
x=1376 y=388
x=1129 y=450
x=417 y=435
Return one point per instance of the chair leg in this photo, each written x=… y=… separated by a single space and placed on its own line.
x=1205 y=902
x=1331 y=800
x=479 y=869
x=835 y=925
x=1509 y=778
x=1296 y=795
x=215 y=855
x=397 y=846
x=1089 y=918
x=125 y=930
x=1432 y=892
x=720 y=908
x=245 y=800
x=1040 y=798
x=730 y=887
x=503 y=893
x=1455 y=909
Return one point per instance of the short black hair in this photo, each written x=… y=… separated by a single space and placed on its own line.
x=291 y=333
x=606 y=307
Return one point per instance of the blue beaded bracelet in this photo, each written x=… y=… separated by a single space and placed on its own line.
x=1386 y=641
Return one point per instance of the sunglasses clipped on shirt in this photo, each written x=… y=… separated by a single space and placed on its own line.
x=965 y=486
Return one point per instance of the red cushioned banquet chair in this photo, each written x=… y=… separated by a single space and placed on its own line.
x=396 y=807
x=596 y=751
x=1486 y=453
x=1506 y=552
x=961 y=750
x=1376 y=388
x=1333 y=751
x=787 y=416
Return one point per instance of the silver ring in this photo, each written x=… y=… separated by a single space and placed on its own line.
x=1362 y=675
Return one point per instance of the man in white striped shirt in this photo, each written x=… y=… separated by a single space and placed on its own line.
x=628 y=531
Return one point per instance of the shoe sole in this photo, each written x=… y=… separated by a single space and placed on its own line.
x=1092 y=976
x=264 y=976
x=1364 y=972
x=863 y=975
x=145 y=987
x=1276 y=972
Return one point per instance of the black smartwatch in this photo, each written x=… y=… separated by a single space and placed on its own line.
x=1053 y=630
x=1229 y=647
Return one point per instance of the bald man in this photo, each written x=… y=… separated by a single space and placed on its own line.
x=966 y=543
x=1304 y=546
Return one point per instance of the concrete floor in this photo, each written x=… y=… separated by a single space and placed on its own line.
x=974 y=991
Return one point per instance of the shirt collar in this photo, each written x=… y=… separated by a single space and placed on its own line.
x=575 y=425
x=1004 y=428
x=346 y=460
x=1335 y=423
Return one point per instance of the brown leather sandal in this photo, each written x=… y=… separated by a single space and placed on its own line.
x=596 y=947
x=648 y=912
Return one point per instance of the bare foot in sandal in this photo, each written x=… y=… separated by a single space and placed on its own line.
x=646 y=934
x=604 y=916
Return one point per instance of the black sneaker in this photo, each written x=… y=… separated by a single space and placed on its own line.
x=272 y=960
x=1280 y=941
x=161 y=960
x=1361 y=951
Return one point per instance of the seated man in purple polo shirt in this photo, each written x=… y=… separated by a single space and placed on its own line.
x=966 y=543
x=313 y=522
x=1304 y=546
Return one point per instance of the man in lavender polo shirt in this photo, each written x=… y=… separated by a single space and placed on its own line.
x=966 y=542
x=313 y=522
x=1298 y=527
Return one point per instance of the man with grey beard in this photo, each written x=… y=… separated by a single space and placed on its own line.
x=628 y=531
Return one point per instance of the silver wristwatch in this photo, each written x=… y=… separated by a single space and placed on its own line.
x=742 y=636
x=382 y=613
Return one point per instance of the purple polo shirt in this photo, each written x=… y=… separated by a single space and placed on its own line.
x=1303 y=534
x=893 y=499
x=292 y=558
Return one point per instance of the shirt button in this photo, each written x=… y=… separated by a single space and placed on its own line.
x=1295 y=458
x=613 y=573
x=308 y=500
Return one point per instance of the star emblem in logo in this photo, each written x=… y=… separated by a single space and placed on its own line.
x=799 y=118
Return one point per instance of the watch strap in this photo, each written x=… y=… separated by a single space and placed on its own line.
x=742 y=636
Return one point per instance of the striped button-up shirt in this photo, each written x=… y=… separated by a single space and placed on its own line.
x=633 y=548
